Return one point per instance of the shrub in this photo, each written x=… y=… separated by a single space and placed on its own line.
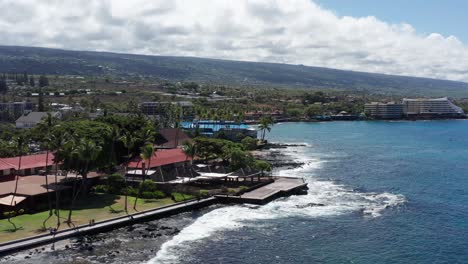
x=148 y=186
x=132 y=191
x=158 y=195
x=204 y=193
x=11 y=214
x=249 y=143
x=243 y=188
x=262 y=165
x=179 y=197
x=116 y=184
x=153 y=195
x=101 y=188
x=147 y=195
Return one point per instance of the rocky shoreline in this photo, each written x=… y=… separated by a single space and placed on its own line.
x=274 y=154
x=133 y=244
x=137 y=243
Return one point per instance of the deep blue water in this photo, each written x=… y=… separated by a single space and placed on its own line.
x=393 y=192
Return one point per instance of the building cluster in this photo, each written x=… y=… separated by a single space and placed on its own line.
x=414 y=108
x=256 y=115
x=159 y=110
x=14 y=109
x=165 y=166
x=222 y=129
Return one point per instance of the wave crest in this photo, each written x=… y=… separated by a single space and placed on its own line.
x=324 y=198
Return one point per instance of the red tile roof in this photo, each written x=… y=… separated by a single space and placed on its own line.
x=162 y=157
x=27 y=162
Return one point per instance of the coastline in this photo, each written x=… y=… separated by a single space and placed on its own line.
x=157 y=230
x=192 y=228
x=359 y=120
x=129 y=244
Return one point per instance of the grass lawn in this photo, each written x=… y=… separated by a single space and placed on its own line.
x=96 y=206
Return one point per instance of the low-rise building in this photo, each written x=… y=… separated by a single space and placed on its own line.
x=389 y=110
x=344 y=116
x=224 y=129
x=16 y=109
x=33 y=118
x=29 y=165
x=255 y=115
x=161 y=109
x=163 y=166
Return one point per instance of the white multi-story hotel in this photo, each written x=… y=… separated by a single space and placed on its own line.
x=431 y=107
x=389 y=110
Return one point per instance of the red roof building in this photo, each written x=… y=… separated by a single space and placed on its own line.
x=162 y=157
x=30 y=164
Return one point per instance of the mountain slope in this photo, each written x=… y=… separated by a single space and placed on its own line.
x=55 y=61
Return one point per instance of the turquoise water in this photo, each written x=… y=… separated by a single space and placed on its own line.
x=392 y=192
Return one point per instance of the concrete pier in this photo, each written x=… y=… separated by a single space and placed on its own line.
x=282 y=186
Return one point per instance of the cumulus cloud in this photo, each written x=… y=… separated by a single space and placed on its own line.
x=286 y=31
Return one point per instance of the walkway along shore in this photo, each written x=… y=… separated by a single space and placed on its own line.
x=282 y=186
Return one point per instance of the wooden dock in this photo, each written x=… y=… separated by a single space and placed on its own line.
x=282 y=186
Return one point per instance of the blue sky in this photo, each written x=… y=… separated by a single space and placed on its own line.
x=447 y=17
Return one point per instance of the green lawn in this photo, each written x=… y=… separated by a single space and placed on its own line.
x=97 y=207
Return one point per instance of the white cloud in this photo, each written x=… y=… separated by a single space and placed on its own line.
x=289 y=31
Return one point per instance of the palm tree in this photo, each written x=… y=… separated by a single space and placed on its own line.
x=190 y=150
x=46 y=144
x=59 y=145
x=147 y=153
x=176 y=126
x=265 y=125
x=86 y=152
x=147 y=136
x=129 y=142
x=48 y=124
x=114 y=137
x=20 y=146
x=45 y=125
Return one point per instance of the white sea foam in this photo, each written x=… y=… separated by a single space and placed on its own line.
x=324 y=198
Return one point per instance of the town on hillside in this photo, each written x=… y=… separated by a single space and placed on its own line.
x=75 y=146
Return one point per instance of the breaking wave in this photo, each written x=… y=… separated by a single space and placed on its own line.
x=324 y=198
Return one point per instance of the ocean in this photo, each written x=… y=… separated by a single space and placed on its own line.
x=379 y=192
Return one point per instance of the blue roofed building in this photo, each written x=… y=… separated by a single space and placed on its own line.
x=223 y=129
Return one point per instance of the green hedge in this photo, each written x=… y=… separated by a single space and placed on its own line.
x=152 y=195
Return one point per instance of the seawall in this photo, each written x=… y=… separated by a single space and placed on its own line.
x=281 y=187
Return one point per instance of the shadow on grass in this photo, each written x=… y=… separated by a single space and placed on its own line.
x=95 y=201
x=150 y=201
x=12 y=230
x=114 y=211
